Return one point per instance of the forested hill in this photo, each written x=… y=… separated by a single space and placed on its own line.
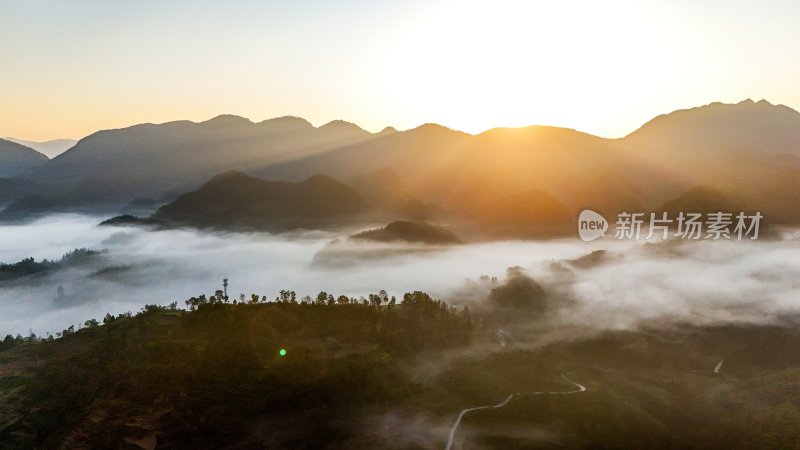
x=335 y=372
x=291 y=374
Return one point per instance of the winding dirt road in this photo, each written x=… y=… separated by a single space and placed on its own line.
x=451 y=438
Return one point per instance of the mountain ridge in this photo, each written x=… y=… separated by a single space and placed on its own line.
x=454 y=170
x=50 y=148
x=16 y=158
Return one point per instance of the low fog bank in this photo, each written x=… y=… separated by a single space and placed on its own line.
x=644 y=286
x=626 y=285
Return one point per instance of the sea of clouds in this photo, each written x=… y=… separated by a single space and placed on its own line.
x=636 y=282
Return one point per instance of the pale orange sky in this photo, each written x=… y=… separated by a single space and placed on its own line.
x=72 y=68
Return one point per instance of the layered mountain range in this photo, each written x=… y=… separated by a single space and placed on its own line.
x=501 y=181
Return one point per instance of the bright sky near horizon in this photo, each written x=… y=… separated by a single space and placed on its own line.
x=70 y=68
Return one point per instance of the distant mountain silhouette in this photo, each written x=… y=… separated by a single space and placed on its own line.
x=235 y=200
x=749 y=151
x=456 y=171
x=16 y=158
x=51 y=148
x=151 y=159
x=720 y=129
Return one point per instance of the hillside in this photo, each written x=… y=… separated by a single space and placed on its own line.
x=410 y=232
x=701 y=199
x=30 y=267
x=235 y=200
x=749 y=150
x=13 y=188
x=340 y=373
x=529 y=214
x=16 y=158
x=722 y=129
x=37 y=200
x=396 y=196
x=216 y=376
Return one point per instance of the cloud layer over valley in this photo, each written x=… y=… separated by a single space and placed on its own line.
x=630 y=284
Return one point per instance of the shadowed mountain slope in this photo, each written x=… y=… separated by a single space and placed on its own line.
x=16 y=158
x=235 y=200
